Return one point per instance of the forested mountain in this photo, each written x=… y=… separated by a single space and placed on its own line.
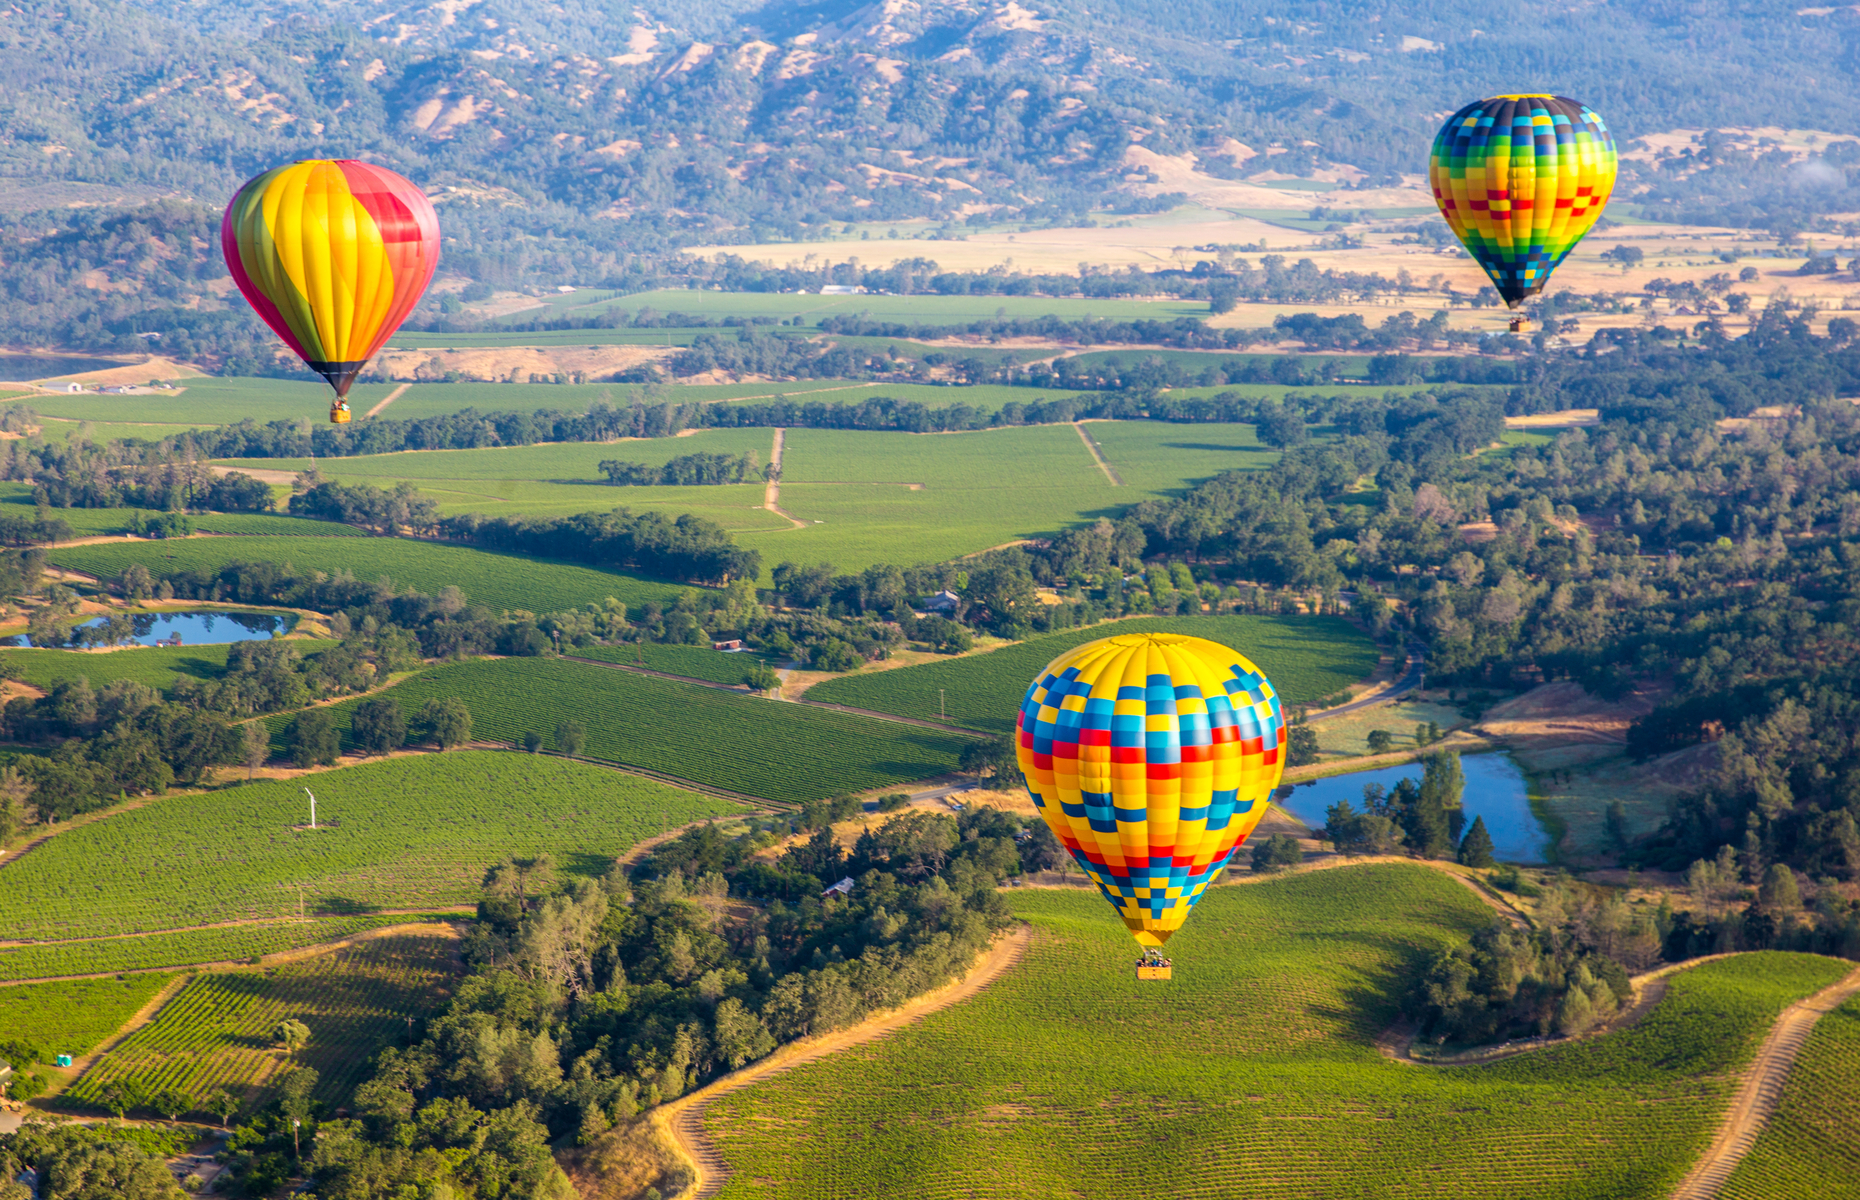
x=675 y=119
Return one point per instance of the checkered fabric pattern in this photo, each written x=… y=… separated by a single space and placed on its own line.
x=1151 y=756
x=1521 y=179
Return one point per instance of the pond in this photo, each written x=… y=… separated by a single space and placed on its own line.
x=193 y=628
x=1495 y=790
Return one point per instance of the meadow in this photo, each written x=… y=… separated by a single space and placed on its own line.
x=501 y=582
x=785 y=753
x=212 y=401
x=1305 y=657
x=907 y=498
x=217 y=1032
x=693 y=662
x=1252 y=1073
x=186 y=947
x=915 y=309
x=1808 y=1147
x=156 y=667
x=1154 y=459
x=409 y=832
x=73 y=1016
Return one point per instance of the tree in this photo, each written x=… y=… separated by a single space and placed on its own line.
x=171 y=1103
x=446 y=723
x=291 y=1034
x=1381 y=741
x=379 y=725
x=254 y=746
x=1616 y=823
x=1779 y=892
x=570 y=738
x=296 y=1100
x=1576 y=1013
x=995 y=759
x=312 y=738
x=222 y=1104
x=1277 y=852
x=761 y=678
x=1624 y=256
x=1476 y=846
x=1301 y=745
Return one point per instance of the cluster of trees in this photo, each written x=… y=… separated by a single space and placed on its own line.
x=81 y=1162
x=385 y=511
x=1422 y=816
x=593 y=1000
x=687 y=470
x=687 y=547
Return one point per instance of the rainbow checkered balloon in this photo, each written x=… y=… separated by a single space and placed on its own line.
x=1151 y=756
x=1521 y=179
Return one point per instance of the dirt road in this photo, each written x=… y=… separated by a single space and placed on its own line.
x=771 y=491
x=1756 y=1100
x=683 y=1119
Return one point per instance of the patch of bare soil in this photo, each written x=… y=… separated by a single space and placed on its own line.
x=1566 y=419
x=1559 y=714
x=499 y=364
x=262 y=474
x=133 y=373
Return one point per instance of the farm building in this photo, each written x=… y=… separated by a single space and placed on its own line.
x=842 y=289
x=843 y=888
x=732 y=644
x=66 y=388
x=943 y=601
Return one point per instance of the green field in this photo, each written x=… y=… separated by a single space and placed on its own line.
x=16 y=501
x=409 y=832
x=213 y=402
x=74 y=1016
x=1809 y=1147
x=498 y=581
x=918 y=309
x=560 y=478
x=1155 y=459
x=1253 y=1073
x=782 y=752
x=156 y=667
x=693 y=662
x=414 y=340
x=217 y=1032
x=1305 y=657
x=185 y=948
x=908 y=498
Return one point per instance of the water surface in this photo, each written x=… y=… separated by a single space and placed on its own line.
x=1495 y=790
x=194 y=628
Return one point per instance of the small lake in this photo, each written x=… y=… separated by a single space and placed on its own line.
x=1494 y=790
x=194 y=628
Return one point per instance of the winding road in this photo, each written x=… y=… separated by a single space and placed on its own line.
x=1412 y=678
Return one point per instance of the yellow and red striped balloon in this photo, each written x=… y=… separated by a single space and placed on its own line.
x=1151 y=756
x=333 y=254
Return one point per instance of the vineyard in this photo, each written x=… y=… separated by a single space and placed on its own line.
x=184 y=948
x=1305 y=657
x=782 y=752
x=498 y=581
x=1253 y=1073
x=693 y=662
x=75 y=1016
x=157 y=667
x=1808 y=1148
x=1163 y=460
x=408 y=832
x=216 y=1032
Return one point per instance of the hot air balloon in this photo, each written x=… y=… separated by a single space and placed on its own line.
x=333 y=254
x=1151 y=756
x=1521 y=179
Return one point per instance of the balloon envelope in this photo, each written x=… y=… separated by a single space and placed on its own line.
x=1521 y=179
x=333 y=254
x=1151 y=756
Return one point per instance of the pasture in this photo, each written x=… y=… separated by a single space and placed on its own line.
x=782 y=752
x=409 y=832
x=1808 y=1148
x=153 y=666
x=1253 y=1073
x=184 y=948
x=1305 y=657
x=1154 y=459
x=501 y=582
x=916 y=309
x=73 y=1016
x=217 y=1032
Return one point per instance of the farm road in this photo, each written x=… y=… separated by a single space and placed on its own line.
x=1756 y=1100
x=771 y=491
x=437 y=928
x=388 y=399
x=683 y=1119
x=1097 y=456
x=1410 y=680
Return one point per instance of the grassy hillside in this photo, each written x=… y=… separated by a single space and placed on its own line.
x=782 y=752
x=1252 y=1073
x=72 y=1017
x=1305 y=657
x=217 y=1032
x=499 y=581
x=1809 y=1147
x=403 y=833
x=156 y=666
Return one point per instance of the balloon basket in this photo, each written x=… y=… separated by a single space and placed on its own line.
x=1520 y=325
x=338 y=414
x=1154 y=972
